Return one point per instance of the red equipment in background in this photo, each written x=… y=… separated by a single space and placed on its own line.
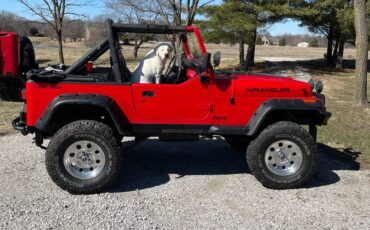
x=9 y=53
x=17 y=57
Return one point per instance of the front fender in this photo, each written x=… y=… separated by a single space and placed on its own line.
x=321 y=117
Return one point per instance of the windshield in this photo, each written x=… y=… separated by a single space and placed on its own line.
x=193 y=46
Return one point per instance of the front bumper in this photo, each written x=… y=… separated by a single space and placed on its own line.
x=326 y=115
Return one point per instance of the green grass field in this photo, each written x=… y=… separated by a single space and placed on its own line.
x=347 y=130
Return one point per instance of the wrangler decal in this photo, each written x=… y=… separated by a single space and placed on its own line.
x=267 y=90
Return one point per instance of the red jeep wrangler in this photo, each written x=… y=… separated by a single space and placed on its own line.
x=86 y=112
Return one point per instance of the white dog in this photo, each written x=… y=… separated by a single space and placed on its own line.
x=150 y=69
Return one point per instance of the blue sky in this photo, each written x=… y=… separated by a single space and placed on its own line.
x=288 y=26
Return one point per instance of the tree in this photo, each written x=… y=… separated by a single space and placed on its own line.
x=259 y=41
x=73 y=29
x=170 y=12
x=237 y=26
x=360 y=17
x=314 y=42
x=334 y=19
x=282 y=42
x=53 y=12
x=242 y=18
x=34 y=31
x=125 y=12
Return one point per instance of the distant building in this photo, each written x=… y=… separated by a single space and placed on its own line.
x=303 y=44
x=265 y=41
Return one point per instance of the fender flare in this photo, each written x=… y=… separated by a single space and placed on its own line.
x=108 y=104
x=272 y=105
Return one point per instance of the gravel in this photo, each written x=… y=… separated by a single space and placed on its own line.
x=182 y=185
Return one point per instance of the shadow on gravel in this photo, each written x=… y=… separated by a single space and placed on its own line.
x=149 y=163
x=332 y=159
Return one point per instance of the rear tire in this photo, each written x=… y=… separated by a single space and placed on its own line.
x=283 y=156
x=10 y=88
x=84 y=157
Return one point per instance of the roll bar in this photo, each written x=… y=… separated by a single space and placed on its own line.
x=119 y=68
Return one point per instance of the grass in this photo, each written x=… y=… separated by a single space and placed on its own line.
x=8 y=111
x=348 y=129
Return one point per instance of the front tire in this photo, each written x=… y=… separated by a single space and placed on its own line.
x=283 y=156
x=84 y=157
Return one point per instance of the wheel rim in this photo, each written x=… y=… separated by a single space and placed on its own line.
x=84 y=159
x=283 y=158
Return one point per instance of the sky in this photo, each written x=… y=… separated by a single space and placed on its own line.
x=286 y=27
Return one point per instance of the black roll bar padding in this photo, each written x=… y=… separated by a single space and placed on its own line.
x=113 y=46
x=153 y=29
x=91 y=55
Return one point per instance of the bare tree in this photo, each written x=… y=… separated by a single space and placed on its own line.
x=124 y=11
x=362 y=47
x=191 y=9
x=53 y=12
x=169 y=12
x=74 y=30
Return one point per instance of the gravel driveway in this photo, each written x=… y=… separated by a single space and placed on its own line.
x=201 y=185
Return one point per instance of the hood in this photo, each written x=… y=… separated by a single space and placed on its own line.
x=255 y=85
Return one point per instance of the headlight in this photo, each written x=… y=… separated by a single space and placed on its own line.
x=319 y=87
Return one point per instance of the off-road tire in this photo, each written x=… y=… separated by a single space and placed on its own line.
x=239 y=143
x=96 y=132
x=282 y=131
x=10 y=88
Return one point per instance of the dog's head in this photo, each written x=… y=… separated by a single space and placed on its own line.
x=163 y=51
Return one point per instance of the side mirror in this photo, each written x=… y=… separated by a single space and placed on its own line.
x=216 y=59
x=204 y=64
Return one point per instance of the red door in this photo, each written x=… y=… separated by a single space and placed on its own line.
x=172 y=103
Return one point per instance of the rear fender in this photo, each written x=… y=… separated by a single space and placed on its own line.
x=78 y=101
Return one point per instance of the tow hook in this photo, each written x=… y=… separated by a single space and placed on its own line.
x=20 y=125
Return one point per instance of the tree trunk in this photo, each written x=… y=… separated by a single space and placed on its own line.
x=60 y=46
x=241 y=53
x=335 y=51
x=251 y=50
x=329 y=51
x=340 y=55
x=362 y=47
x=136 y=49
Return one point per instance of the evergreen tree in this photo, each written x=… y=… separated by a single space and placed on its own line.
x=230 y=23
x=236 y=21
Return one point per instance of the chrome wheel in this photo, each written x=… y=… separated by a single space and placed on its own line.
x=283 y=158
x=84 y=160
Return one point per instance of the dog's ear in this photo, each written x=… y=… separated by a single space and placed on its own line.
x=156 y=50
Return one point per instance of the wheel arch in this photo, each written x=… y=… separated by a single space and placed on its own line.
x=296 y=111
x=68 y=108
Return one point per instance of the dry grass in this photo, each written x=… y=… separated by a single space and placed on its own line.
x=8 y=111
x=349 y=128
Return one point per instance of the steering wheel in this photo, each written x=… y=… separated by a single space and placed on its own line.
x=170 y=67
